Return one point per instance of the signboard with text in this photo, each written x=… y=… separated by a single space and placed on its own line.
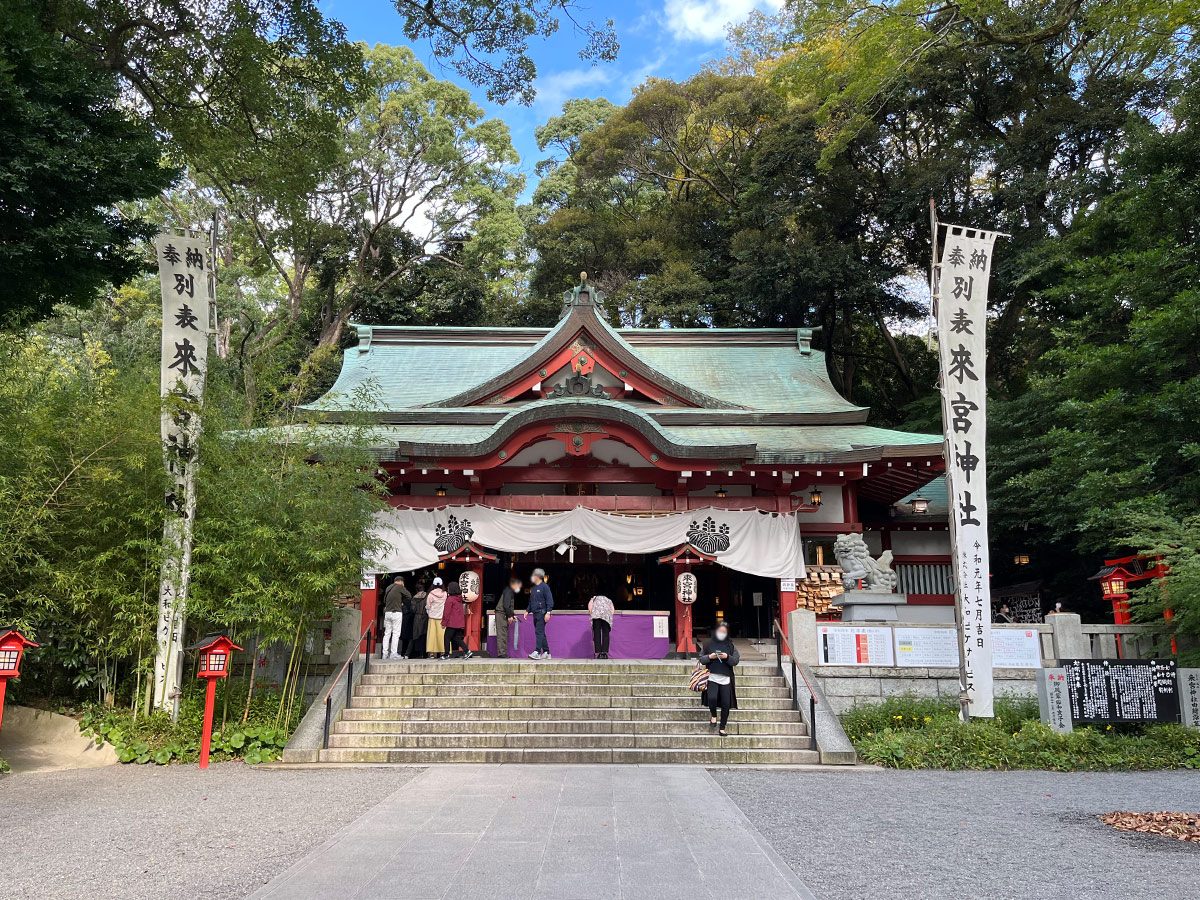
x=851 y=645
x=1122 y=690
x=961 y=301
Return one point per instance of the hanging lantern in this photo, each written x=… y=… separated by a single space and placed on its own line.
x=814 y=497
x=722 y=493
x=441 y=491
x=1021 y=559
x=919 y=505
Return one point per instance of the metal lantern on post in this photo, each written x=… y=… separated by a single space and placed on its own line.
x=12 y=648
x=215 y=651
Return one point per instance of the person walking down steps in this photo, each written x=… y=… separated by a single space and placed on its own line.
x=720 y=655
x=394 y=600
x=541 y=602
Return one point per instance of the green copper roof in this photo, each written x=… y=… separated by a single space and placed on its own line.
x=403 y=368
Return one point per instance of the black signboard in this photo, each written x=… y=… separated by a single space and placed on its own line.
x=1122 y=690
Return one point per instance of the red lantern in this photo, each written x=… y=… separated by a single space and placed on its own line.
x=215 y=651
x=12 y=647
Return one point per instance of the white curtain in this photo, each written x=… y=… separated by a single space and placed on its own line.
x=745 y=540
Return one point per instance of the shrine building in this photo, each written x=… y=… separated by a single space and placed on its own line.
x=619 y=458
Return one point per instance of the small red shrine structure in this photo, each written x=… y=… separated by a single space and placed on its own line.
x=1116 y=577
x=641 y=422
x=13 y=645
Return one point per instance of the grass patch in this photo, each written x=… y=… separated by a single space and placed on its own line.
x=156 y=739
x=916 y=733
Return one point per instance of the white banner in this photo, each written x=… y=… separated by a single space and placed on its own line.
x=962 y=351
x=188 y=285
x=746 y=540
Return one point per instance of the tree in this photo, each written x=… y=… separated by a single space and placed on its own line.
x=488 y=42
x=68 y=155
x=247 y=93
x=1108 y=427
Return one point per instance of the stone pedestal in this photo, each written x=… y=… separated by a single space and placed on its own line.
x=869 y=606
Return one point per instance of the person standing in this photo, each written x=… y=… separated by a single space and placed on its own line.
x=435 y=634
x=454 y=620
x=601 y=609
x=541 y=603
x=394 y=599
x=412 y=632
x=720 y=656
x=506 y=616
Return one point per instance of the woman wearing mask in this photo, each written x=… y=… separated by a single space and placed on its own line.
x=601 y=609
x=721 y=694
x=435 y=634
x=454 y=620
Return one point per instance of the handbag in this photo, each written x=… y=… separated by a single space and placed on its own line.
x=699 y=679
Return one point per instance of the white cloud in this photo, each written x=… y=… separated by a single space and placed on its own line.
x=556 y=88
x=707 y=20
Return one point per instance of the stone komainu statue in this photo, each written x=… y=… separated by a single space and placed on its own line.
x=857 y=565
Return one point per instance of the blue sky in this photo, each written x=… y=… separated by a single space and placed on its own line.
x=659 y=38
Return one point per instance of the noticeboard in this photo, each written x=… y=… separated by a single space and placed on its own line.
x=1122 y=690
x=926 y=646
x=848 y=645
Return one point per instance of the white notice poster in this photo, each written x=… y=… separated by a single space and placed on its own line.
x=962 y=353
x=926 y=647
x=1016 y=648
x=660 y=626
x=853 y=645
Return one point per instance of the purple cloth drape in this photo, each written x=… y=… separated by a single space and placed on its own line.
x=570 y=637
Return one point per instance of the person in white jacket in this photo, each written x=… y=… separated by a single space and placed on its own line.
x=435 y=634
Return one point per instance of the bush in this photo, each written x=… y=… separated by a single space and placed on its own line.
x=155 y=738
x=915 y=733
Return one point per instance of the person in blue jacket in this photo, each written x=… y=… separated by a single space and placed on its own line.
x=541 y=602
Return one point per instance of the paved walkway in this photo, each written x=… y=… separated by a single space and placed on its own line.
x=553 y=832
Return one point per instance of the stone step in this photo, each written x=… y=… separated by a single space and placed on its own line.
x=534 y=713
x=562 y=726
x=483 y=665
x=701 y=739
x=550 y=689
x=713 y=756
x=677 y=679
x=673 y=701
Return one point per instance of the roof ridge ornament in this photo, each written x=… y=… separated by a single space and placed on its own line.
x=583 y=294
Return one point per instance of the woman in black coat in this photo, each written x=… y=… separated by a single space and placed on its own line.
x=720 y=656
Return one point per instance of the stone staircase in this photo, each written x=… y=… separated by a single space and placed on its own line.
x=561 y=711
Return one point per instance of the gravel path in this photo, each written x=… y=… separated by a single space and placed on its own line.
x=866 y=835
x=173 y=831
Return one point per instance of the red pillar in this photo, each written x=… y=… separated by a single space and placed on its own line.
x=210 y=693
x=369 y=606
x=787 y=601
x=475 y=612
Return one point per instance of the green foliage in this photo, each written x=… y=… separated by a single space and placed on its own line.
x=488 y=43
x=4 y=767
x=1176 y=542
x=154 y=738
x=275 y=78
x=916 y=733
x=68 y=155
